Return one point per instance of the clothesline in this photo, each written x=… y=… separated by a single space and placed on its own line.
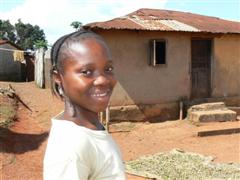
x=12 y=50
x=18 y=55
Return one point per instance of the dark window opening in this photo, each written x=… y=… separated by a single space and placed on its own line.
x=158 y=52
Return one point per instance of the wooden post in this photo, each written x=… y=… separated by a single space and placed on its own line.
x=107 y=118
x=101 y=117
x=181 y=110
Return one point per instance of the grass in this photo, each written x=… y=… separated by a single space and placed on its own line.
x=182 y=165
x=8 y=111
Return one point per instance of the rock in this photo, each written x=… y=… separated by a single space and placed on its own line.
x=211 y=112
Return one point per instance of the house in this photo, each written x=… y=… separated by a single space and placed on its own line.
x=15 y=70
x=10 y=70
x=164 y=57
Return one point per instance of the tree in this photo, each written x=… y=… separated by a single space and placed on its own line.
x=7 y=31
x=40 y=44
x=26 y=36
x=76 y=25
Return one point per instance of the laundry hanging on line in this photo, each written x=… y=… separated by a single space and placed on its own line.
x=18 y=56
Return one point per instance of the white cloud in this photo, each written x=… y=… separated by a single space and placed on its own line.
x=55 y=16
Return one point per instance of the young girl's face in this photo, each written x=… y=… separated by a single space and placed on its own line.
x=88 y=78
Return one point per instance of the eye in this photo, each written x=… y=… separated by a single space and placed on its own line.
x=86 y=72
x=109 y=69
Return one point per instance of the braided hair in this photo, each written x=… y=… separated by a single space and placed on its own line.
x=59 y=53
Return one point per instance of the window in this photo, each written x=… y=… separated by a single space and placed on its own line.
x=157 y=52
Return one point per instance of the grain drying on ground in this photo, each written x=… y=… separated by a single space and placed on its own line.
x=178 y=164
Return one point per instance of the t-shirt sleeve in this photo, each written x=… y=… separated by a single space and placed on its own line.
x=71 y=169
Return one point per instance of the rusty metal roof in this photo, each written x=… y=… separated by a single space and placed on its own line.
x=3 y=41
x=166 y=20
x=9 y=42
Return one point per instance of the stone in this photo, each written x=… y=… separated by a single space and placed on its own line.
x=211 y=112
x=236 y=109
x=208 y=106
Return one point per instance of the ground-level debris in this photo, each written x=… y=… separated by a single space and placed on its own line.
x=8 y=109
x=178 y=164
x=10 y=92
x=218 y=132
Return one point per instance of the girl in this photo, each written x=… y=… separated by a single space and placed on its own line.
x=79 y=148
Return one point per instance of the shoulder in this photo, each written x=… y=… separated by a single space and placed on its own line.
x=67 y=132
x=66 y=141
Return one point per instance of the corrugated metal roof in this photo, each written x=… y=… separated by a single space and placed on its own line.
x=165 y=20
x=9 y=42
x=147 y=24
x=3 y=41
x=178 y=26
x=117 y=23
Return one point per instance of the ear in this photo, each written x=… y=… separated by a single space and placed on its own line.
x=57 y=77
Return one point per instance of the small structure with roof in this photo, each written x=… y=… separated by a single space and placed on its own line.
x=10 y=69
x=163 y=57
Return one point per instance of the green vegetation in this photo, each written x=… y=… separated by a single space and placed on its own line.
x=76 y=25
x=24 y=35
x=182 y=165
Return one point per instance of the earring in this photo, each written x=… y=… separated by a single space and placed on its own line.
x=60 y=90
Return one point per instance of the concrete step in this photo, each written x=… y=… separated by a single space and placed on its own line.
x=236 y=109
x=212 y=116
x=208 y=107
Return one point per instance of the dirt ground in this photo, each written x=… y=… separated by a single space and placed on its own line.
x=25 y=142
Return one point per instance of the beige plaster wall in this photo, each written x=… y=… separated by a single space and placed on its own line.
x=140 y=83
x=152 y=93
x=226 y=66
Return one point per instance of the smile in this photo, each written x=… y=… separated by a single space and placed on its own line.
x=101 y=94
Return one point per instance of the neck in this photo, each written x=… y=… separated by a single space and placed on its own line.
x=81 y=116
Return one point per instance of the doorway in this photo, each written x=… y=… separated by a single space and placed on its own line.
x=201 y=68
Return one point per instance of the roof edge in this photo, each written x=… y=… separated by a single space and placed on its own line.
x=11 y=43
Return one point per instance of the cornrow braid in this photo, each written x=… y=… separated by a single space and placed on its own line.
x=58 y=44
x=55 y=51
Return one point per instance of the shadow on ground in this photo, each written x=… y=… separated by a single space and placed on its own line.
x=17 y=143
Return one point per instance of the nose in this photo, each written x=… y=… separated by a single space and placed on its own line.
x=101 y=80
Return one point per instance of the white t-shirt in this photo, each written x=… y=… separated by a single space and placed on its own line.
x=78 y=153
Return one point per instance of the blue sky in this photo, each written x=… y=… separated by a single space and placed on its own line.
x=55 y=16
x=226 y=9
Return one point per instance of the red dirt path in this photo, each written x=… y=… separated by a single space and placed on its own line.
x=25 y=142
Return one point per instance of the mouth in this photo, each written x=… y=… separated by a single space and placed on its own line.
x=101 y=94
